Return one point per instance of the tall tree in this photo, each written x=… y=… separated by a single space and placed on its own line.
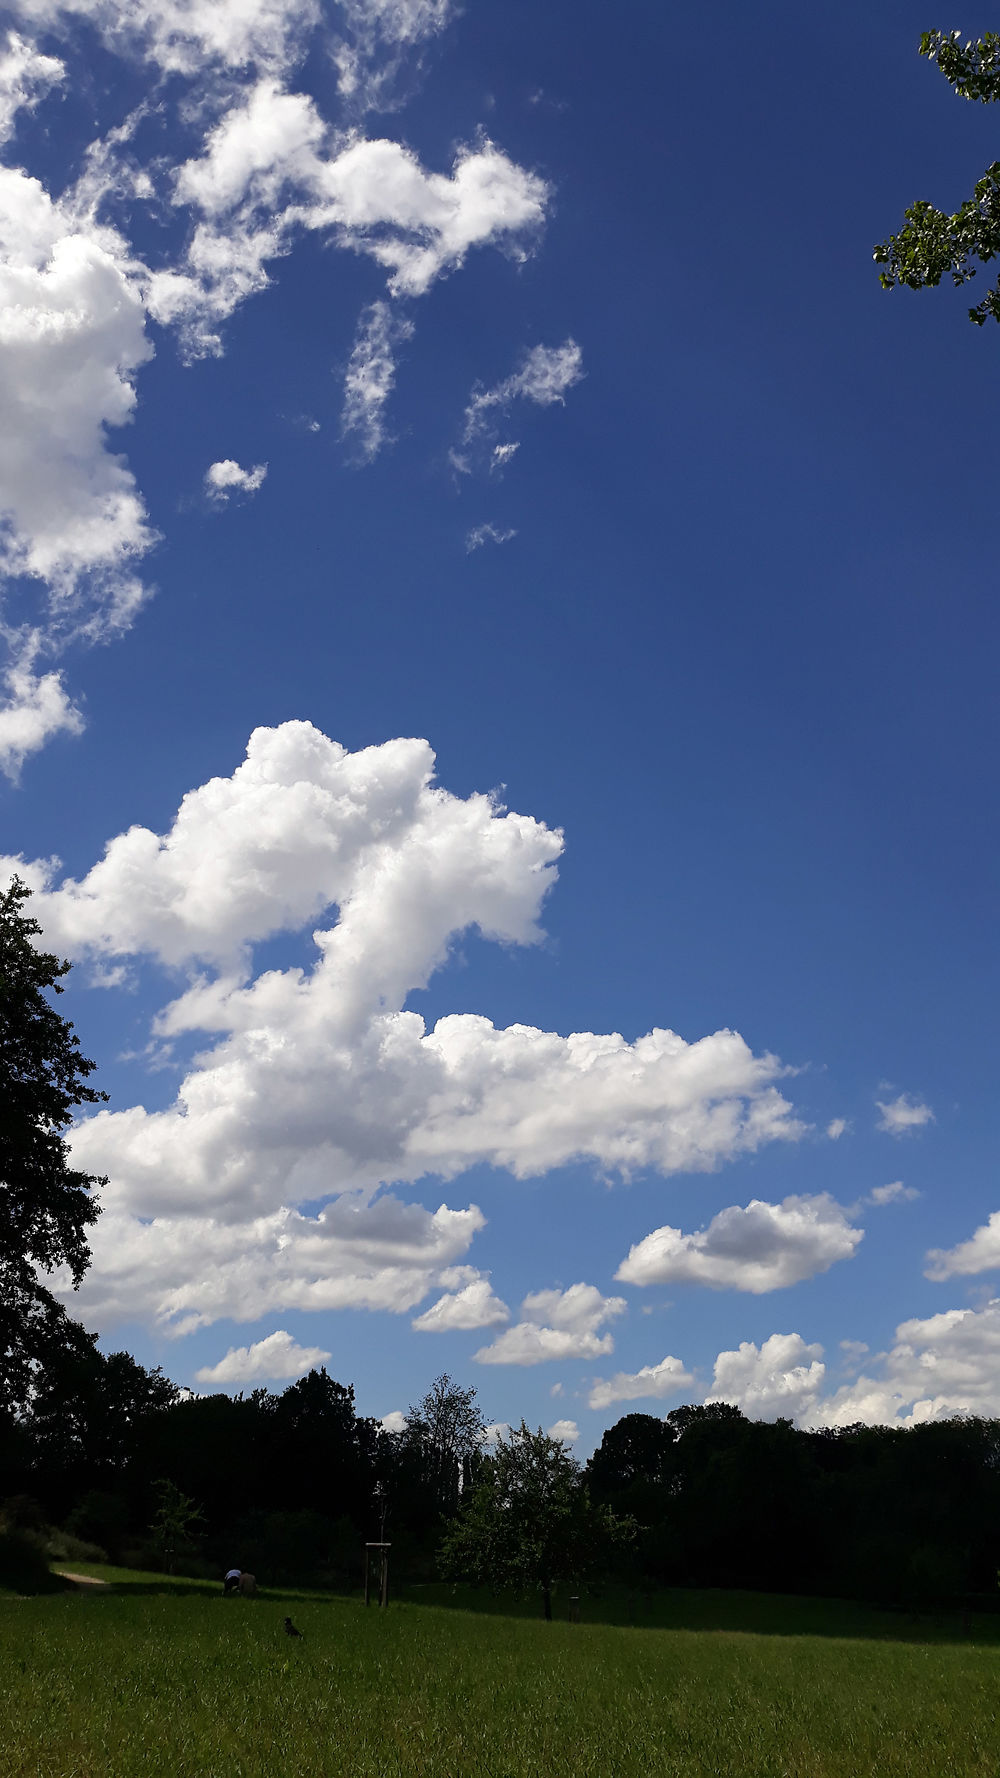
x=932 y=243
x=530 y=1522
x=46 y=1205
x=446 y=1428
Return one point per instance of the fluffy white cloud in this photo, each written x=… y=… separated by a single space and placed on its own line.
x=759 y=1248
x=184 y=37
x=318 y=1082
x=937 y=1366
x=396 y=1421
x=226 y=477
x=782 y=1377
x=72 y=337
x=274 y=1358
x=459 y=1311
x=184 y=1271
x=981 y=1253
x=652 y=1381
x=543 y=377
x=370 y=375
x=487 y=533
x=566 y=1431
x=557 y=1324
x=835 y=1128
x=903 y=1114
x=36 y=707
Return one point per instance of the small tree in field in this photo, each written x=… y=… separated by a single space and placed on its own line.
x=174 y=1522
x=530 y=1522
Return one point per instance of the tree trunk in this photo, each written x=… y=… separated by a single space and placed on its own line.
x=547 y=1601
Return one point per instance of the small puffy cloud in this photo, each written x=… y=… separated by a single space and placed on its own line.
x=652 y=1381
x=762 y=1247
x=495 y=1433
x=226 y=477
x=502 y=454
x=782 y=1377
x=557 y=1324
x=481 y=534
x=459 y=1311
x=902 y=1115
x=370 y=375
x=276 y=1357
x=894 y=1193
x=981 y=1253
x=566 y=1431
x=36 y=707
x=835 y=1128
x=543 y=378
x=394 y=1422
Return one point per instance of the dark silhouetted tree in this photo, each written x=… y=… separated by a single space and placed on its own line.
x=46 y=1205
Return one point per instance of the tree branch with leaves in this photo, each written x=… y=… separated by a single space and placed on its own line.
x=932 y=244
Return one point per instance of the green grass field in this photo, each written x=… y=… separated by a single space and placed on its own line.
x=159 y=1676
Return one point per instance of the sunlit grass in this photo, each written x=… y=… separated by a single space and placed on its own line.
x=179 y=1680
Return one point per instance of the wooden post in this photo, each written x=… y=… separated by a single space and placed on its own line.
x=383 y=1572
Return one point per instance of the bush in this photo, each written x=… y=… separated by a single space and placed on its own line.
x=23 y=1567
x=62 y=1546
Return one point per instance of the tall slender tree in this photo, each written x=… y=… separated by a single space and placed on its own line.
x=46 y=1204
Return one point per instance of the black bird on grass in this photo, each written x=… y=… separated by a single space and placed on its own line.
x=290 y=1629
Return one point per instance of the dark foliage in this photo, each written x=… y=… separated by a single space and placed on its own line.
x=932 y=244
x=46 y=1205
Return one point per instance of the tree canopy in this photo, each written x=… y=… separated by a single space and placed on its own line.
x=530 y=1522
x=931 y=242
x=46 y=1205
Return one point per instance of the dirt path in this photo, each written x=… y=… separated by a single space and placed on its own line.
x=84 y=1580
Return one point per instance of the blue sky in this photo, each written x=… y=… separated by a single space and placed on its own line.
x=706 y=663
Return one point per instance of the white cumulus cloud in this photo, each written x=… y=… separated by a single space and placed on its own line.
x=782 y=1377
x=980 y=1253
x=317 y=1084
x=395 y=1421
x=226 y=477
x=902 y=1115
x=651 y=1382
x=893 y=1193
x=757 y=1248
x=458 y=1311
x=275 y=1358
x=566 y=1431
x=557 y=1324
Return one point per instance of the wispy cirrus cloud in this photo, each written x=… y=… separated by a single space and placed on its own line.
x=542 y=378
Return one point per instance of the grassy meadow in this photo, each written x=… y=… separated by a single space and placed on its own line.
x=158 y=1676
